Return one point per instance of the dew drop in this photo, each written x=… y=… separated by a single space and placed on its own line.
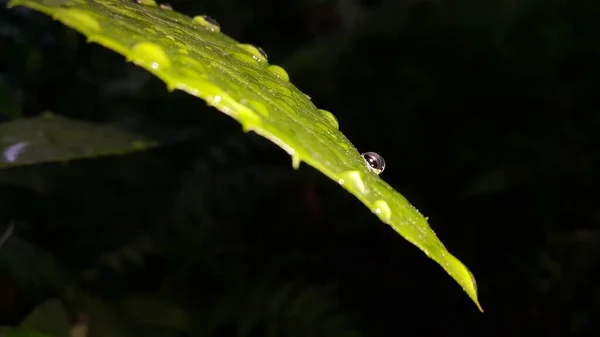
x=352 y=179
x=256 y=52
x=279 y=72
x=166 y=7
x=262 y=52
x=207 y=22
x=330 y=118
x=78 y=18
x=260 y=108
x=374 y=161
x=382 y=209
x=245 y=58
x=150 y=55
x=146 y=2
x=12 y=152
x=295 y=161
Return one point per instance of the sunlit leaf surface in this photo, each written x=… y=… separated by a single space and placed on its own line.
x=192 y=54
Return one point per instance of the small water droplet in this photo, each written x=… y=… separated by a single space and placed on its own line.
x=330 y=118
x=77 y=17
x=166 y=7
x=207 y=22
x=146 y=2
x=295 y=160
x=279 y=72
x=256 y=52
x=352 y=179
x=374 y=161
x=382 y=209
x=12 y=152
x=150 y=55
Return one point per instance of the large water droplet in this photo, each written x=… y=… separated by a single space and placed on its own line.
x=207 y=22
x=256 y=52
x=352 y=179
x=330 y=118
x=12 y=152
x=146 y=2
x=150 y=55
x=259 y=107
x=78 y=18
x=245 y=58
x=279 y=72
x=374 y=161
x=382 y=209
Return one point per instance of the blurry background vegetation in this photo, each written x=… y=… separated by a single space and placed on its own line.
x=486 y=112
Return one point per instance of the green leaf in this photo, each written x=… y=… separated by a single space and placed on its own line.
x=49 y=138
x=49 y=317
x=20 y=332
x=155 y=312
x=191 y=54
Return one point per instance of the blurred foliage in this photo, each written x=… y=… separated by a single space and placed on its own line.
x=496 y=99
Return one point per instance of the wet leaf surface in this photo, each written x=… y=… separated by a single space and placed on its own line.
x=191 y=54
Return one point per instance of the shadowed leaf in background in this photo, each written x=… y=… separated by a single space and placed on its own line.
x=51 y=138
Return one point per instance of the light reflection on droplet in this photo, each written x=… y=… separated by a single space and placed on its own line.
x=374 y=161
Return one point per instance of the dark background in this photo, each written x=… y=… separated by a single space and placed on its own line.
x=485 y=111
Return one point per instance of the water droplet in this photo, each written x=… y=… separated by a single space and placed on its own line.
x=150 y=55
x=166 y=7
x=78 y=18
x=12 y=153
x=146 y=2
x=352 y=179
x=374 y=161
x=256 y=52
x=279 y=72
x=207 y=22
x=262 y=52
x=382 y=209
x=260 y=108
x=330 y=118
x=245 y=58
x=295 y=160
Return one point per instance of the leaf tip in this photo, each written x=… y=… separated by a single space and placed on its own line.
x=473 y=295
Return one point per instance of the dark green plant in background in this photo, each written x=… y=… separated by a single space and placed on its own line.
x=484 y=112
